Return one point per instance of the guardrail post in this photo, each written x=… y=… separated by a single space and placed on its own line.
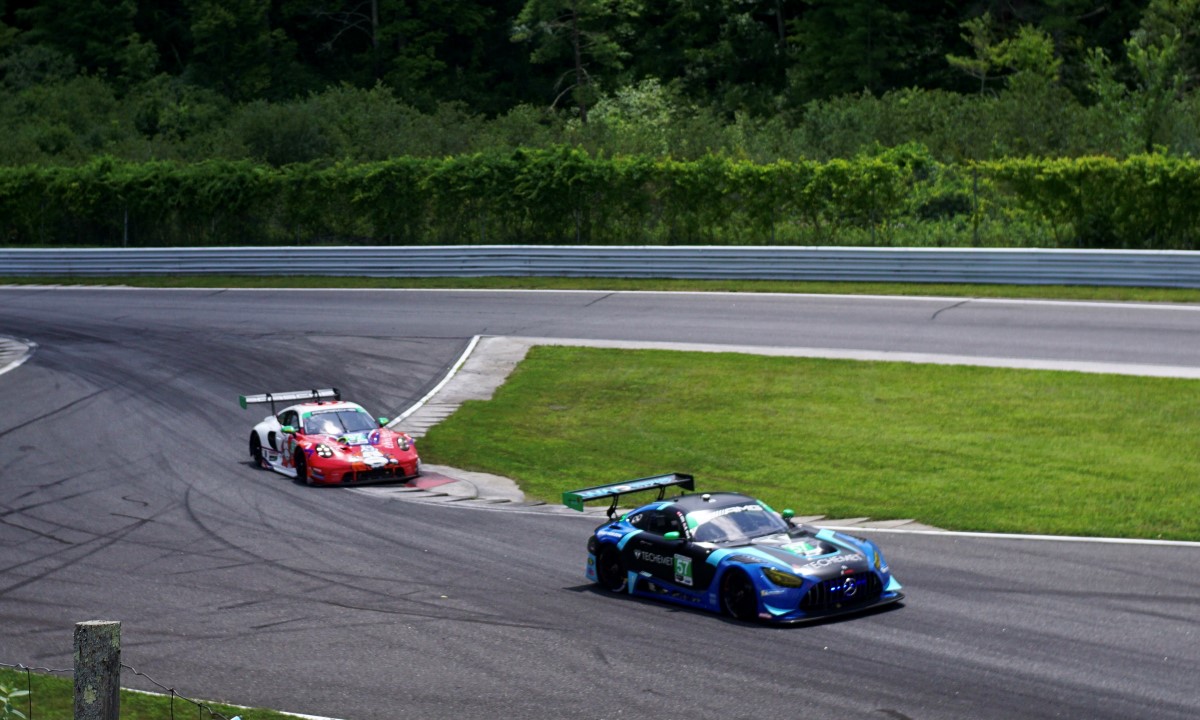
x=97 y=670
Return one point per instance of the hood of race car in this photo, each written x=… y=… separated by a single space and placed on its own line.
x=355 y=447
x=808 y=555
x=354 y=439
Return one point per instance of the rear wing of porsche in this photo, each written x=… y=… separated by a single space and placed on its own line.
x=575 y=499
x=295 y=395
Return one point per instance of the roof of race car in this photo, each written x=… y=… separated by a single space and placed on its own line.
x=333 y=405
x=709 y=501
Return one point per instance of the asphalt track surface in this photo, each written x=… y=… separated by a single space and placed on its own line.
x=126 y=494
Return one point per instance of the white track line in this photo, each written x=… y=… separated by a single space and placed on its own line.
x=437 y=388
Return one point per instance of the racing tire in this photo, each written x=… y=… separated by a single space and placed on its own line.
x=256 y=450
x=738 y=598
x=610 y=571
x=301 y=464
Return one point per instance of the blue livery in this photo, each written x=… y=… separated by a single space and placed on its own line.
x=731 y=553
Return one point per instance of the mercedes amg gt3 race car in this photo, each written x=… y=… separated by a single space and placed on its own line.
x=325 y=440
x=728 y=552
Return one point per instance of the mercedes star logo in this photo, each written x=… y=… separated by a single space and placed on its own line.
x=848 y=587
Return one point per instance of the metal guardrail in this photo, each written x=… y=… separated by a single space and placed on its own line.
x=1142 y=268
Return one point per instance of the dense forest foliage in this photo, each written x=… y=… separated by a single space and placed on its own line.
x=919 y=122
x=283 y=81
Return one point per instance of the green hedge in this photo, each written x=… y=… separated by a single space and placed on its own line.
x=565 y=196
x=1145 y=201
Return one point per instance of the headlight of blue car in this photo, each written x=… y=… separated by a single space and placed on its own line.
x=783 y=579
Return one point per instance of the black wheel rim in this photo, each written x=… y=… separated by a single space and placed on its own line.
x=609 y=570
x=739 y=597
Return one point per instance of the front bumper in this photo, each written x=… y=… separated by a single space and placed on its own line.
x=362 y=474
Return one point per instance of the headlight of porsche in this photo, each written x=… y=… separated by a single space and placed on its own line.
x=783 y=579
x=403 y=443
x=324 y=451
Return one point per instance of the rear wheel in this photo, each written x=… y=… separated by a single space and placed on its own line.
x=610 y=571
x=302 y=468
x=737 y=596
x=256 y=450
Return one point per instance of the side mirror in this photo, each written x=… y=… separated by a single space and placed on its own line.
x=383 y=421
x=788 y=514
x=288 y=429
x=673 y=535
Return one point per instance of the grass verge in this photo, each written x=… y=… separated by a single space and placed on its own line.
x=1049 y=292
x=52 y=697
x=964 y=448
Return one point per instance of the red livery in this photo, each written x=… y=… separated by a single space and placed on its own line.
x=325 y=440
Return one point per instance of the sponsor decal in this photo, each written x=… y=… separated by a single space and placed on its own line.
x=769 y=593
x=373 y=457
x=683 y=570
x=702 y=516
x=651 y=557
x=826 y=562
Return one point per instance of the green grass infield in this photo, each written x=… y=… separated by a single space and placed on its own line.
x=52 y=697
x=957 y=447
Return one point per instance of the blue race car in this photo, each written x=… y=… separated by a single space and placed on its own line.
x=728 y=552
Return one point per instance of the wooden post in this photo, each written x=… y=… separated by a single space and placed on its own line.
x=98 y=670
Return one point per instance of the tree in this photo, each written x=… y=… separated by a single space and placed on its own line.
x=736 y=56
x=981 y=36
x=585 y=36
x=99 y=36
x=235 y=51
x=1166 y=19
x=1029 y=56
x=1146 y=110
x=425 y=50
x=843 y=46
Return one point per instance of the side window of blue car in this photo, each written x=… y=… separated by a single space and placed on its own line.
x=657 y=522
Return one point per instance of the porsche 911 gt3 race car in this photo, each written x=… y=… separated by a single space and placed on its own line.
x=328 y=441
x=728 y=552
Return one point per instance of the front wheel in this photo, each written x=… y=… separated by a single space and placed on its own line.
x=738 y=599
x=301 y=464
x=610 y=571
x=256 y=450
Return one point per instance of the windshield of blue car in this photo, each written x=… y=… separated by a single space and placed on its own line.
x=739 y=523
x=338 y=422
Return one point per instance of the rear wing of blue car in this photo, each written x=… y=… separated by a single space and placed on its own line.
x=296 y=395
x=576 y=498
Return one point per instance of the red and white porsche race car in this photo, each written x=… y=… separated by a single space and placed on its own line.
x=327 y=441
